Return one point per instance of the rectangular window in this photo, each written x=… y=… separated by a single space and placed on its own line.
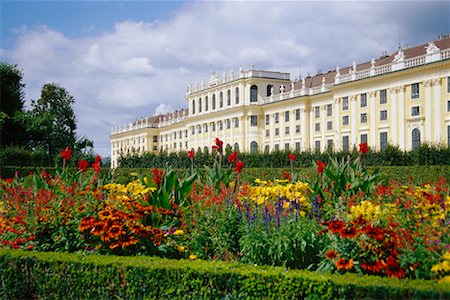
x=345 y=143
x=266 y=149
x=345 y=120
x=363 y=100
x=317 y=145
x=193 y=130
x=345 y=103
x=330 y=144
x=277 y=131
x=228 y=123
x=155 y=139
x=297 y=128
x=267 y=132
x=185 y=133
x=383 y=140
x=236 y=122
x=286 y=146
x=329 y=110
x=277 y=147
x=414 y=90
x=383 y=97
x=317 y=127
x=213 y=125
x=363 y=138
x=253 y=120
x=448 y=85
x=383 y=115
x=220 y=125
x=317 y=112
x=236 y=94
x=297 y=146
x=267 y=120
x=330 y=125
x=286 y=130
x=448 y=135
x=277 y=118
x=364 y=118
x=415 y=111
x=286 y=116
x=448 y=105
x=297 y=114
x=199 y=129
x=205 y=126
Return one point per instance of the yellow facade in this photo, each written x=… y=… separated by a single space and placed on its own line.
x=402 y=99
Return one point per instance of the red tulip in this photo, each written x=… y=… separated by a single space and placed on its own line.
x=239 y=166
x=232 y=158
x=363 y=148
x=66 y=153
x=97 y=166
x=157 y=176
x=292 y=157
x=191 y=154
x=321 y=166
x=98 y=158
x=218 y=145
x=82 y=165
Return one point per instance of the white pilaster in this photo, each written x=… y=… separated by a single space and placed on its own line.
x=393 y=116
x=353 y=121
x=428 y=112
x=401 y=116
x=337 y=124
x=437 y=110
x=373 y=118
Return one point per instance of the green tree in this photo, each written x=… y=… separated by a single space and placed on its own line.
x=52 y=120
x=12 y=102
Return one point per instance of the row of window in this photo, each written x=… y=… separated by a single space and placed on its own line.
x=213 y=101
x=286 y=130
x=276 y=117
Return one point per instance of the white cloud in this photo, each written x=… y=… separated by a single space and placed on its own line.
x=138 y=68
x=163 y=109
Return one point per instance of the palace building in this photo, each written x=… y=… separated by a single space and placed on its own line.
x=400 y=99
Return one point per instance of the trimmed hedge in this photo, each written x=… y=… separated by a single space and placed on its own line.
x=74 y=276
x=415 y=174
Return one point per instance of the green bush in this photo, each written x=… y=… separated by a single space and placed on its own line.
x=416 y=174
x=17 y=156
x=70 y=276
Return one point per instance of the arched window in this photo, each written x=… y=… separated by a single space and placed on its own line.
x=236 y=147
x=415 y=138
x=236 y=95
x=200 y=105
x=206 y=103
x=253 y=147
x=269 y=90
x=193 y=107
x=253 y=93
x=214 y=101
x=228 y=97
x=221 y=100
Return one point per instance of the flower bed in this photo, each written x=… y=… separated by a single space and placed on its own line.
x=343 y=220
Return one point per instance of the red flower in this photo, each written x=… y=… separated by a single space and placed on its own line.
x=393 y=268
x=66 y=153
x=191 y=154
x=348 y=232
x=363 y=148
x=320 y=166
x=374 y=232
x=292 y=157
x=336 y=226
x=44 y=174
x=83 y=165
x=331 y=254
x=239 y=166
x=97 y=166
x=232 y=158
x=286 y=175
x=157 y=176
x=98 y=158
x=218 y=145
x=373 y=267
x=344 y=263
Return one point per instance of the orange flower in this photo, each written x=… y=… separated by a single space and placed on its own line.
x=331 y=254
x=348 y=232
x=336 y=226
x=344 y=264
x=87 y=223
x=373 y=267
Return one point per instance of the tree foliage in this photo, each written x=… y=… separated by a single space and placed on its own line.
x=11 y=104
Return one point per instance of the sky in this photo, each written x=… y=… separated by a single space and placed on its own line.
x=122 y=60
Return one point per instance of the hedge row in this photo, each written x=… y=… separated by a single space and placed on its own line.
x=414 y=174
x=32 y=275
x=10 y=171
x=390 y=156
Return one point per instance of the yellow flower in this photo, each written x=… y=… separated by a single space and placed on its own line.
x=180 y=248
x=178 y=232
x=193 y=257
